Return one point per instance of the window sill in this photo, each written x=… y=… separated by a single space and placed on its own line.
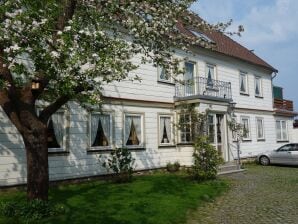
x=166 y=146
x=246 y=140
x=166 y=82
x=244 y=94
x=93 y=151
x=58 y=153
x=136 y=149
x=185 y=144
x=261 y=140
x=260 y=97
x=282 y=141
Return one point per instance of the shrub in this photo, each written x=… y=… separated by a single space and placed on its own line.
x=30 y=211
x=121 y=163
x=173 y=167
x=206 y=160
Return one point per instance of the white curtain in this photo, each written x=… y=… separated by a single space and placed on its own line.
x=127 y=127
x=138 y=126
x=161 y=128
x=94 y=126
x=58 y=124
x=284 y=130
x=278 y=130
x=168 y=128
x=105 y=123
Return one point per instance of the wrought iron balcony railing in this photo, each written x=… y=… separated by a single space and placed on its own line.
x=204 y=88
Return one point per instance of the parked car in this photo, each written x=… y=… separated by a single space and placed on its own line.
x=286 y=154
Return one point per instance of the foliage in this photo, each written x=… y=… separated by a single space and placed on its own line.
x=206 y=160
x=173 y=167
x=121 y=163
x=30 y=211
x=158 y=198
x=237 y=129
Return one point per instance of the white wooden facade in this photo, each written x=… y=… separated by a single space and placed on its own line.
x=150 y=99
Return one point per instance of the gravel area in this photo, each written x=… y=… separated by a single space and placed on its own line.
x=258 y=195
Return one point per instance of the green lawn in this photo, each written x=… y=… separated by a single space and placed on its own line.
x=160 y=198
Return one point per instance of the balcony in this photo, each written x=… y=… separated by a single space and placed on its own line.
x=203 y=88
x=286 y=105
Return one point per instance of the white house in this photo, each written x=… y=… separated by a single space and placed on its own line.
x=141 y=116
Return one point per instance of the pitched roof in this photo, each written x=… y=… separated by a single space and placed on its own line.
x=227 y=46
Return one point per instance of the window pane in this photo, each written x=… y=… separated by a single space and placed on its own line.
x=258 y=86
x=100 y=130
x=284 y=130
x=56 y=130
x=165 y=130
x=245 y=124
x=163 y=75
x=133 y=130
x=211 y=129
x=188 y=78
x=185 y=128
x=210 y=75
x=243 y=83
x=260 y=129
x=278 y=130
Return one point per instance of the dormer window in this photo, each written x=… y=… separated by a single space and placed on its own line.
x=201 y=36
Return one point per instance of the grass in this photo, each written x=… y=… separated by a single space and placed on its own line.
x=160 y=198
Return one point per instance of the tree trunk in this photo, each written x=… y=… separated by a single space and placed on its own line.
x=37 y=161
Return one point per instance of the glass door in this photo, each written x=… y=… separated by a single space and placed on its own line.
x=215 y=131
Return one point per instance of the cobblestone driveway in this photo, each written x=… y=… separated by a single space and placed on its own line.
x=258 y=195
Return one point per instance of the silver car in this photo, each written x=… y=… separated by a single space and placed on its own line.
x=286 y=154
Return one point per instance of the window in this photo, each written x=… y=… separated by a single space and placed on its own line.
x=211 y=128
x=189 y=78
x=258 y=86
x=260 y=128
x=202 y=36
x=133 y=130
x=210 y=74
x=165 y=130
x=163 y=75
x=246 y=127
x=185 y=128
x=243 y=83
x=100 y=130
x=281 y=130
x=57 y=131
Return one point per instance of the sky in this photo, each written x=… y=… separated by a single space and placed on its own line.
x=271 y=30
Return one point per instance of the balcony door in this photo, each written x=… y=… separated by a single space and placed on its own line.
x=189 y=78
x=216 y=132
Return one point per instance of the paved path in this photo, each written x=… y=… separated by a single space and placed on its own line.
x=260 y=195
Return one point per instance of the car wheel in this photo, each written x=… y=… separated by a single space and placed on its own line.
x=264 y=160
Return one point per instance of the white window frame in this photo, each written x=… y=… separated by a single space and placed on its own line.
x=64 y=147
x=159 y=70
x=110 y=114
x=248 y=138
x=245 y=84
x=260 y=86
x=172 y=132
x=257 y=128
x=180 y=131
x=280 y=138
x=142 y=140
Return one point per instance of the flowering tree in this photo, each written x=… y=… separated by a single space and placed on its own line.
x=68 y=49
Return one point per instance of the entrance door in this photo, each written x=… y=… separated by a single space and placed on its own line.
x=215 y=132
